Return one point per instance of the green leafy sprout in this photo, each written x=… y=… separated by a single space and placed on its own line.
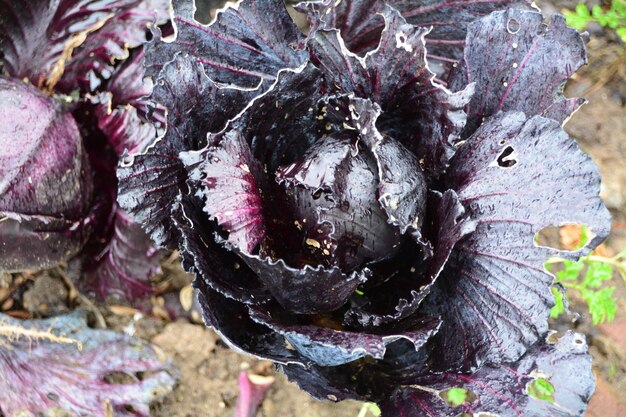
x=614 y=17
x=541 y=389
x=455 y=397
x=589 y=277
x=368 y=409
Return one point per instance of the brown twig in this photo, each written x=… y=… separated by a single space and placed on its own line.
x=75 y=294
x=12 y=333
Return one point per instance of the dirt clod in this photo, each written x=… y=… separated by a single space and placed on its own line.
x=47 y=297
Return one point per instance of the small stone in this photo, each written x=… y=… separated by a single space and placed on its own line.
x=48 y=296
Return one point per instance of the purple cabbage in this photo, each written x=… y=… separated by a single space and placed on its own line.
x=60 y=366
x=45 y=188
x=364 y=219
x=73 y=102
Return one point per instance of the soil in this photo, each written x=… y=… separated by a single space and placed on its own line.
x=208 y=369
x=208 y=380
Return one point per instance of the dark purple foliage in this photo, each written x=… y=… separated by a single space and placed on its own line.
x=73 y=102
x=124 y=265
x=45 y=186
x=445 y=22
x=504 y=391
x=72 y=43
x=353 y=220
x=537 y=60
x=94 y=373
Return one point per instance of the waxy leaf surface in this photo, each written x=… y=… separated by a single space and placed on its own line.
x=519 y=62
x=45 y=180
x=485 y=320
x=563 y=370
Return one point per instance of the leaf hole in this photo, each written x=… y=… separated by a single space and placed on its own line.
x=568 y=237
x=513 y=26
x=456 y=396
x=251 y=42
x=543 y=29
x=119 y=378
x=206 y=10
x=541 y=389
x=506 y=160
x=553 y=337
x=52 y=396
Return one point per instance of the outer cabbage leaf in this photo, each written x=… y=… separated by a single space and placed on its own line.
x=306 y=290
x=550 y=380
x=332 y=347
x=217 y=267
x=39 y=377
x=518 y=62
x=151 y=181
x=252 y=329
x=231 y=183
x=242 y=52
x=327 y=382
x=283 y=123
x=422 y=115
x=123 y=110
x=45 y=180
x=494 y=295
x=119 y=258
x=366 y=379
x=95 y=60
x=74 y=42
x=124 y=265
x=361 y=25
x=123 y=126
x=231 y=320
x=243 y=46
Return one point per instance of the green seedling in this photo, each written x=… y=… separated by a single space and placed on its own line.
x=614 y=17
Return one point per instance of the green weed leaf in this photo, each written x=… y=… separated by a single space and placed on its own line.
x=614 y=18
x=597 y=273
x=454 y=397
x=602 y=305
x=571 y=271
x=541 y=389
x=559 y=305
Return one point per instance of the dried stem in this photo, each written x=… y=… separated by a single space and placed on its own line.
x=74 y=293
x=11 y=333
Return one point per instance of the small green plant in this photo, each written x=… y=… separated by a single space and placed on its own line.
x=542 y=389
x=614 y=17
x=368 y=409
x=589 y=277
